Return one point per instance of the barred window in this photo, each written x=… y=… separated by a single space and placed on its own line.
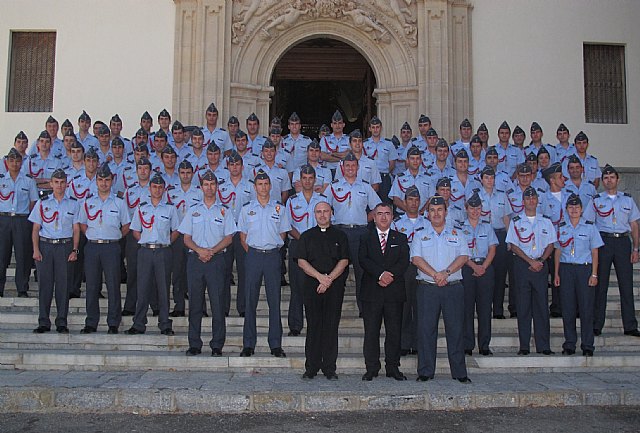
x=605 y=88
x=32 y=69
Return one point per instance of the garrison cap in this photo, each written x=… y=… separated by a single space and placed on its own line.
x=491 y=151
x=529 y=192
x=474 y=200
x=197 y=133
x=574 y=200
x=475 y=139
x=396 y=141
x=572 y=159
x=142 y=133
x=160 y=134
x=412 y=191
x=562 y=128
x=144 y=161
x=518 y=130
x=462 y=153
x=261 y=175
x=414 y=150
x=69 y=133
x=185 y=165
x=67 y=124
x=542 y=151
x=44 y=134
x=437 y=200
x=240 y=134
x=117 y=141
x=609 y=170
x=146 y=116
x=91 y=154
x=355 y=134
x=168 y=150
x=116 y=118
x=276 y=121
x=556 y=167
x=531 y=157
x=307 y=169
x=424 y=119
x=294 y=117
x=405 y=127
x=212 y=108
x=157 y=179
x=581 y=136
x=164 y=113
x=276 y=130
x=209 y=176
x=324 y=128
x=375 y=120
x=234 y=157
x=350 y=156
x=443 y=182
x=51 y=119
x=104 y=171
x=442 y=143
x=483 y=128
x=21 y=136
x=84 y=117
x=337 y=117
x=314 y=145
x=14 y=154
x=77 y=145
x=141 y=147
x=504 y=125
x=269 y=144
x=524 y=169
x=432 y=133
x=233 y=120
x=177 y=126
x=103 y=130
x=487 y=171
x=535 y=127
x=59 y=174
x=213 y=147
x=465 y=124
x=253 y=118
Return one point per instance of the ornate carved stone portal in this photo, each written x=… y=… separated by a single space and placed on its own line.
x=419 y=50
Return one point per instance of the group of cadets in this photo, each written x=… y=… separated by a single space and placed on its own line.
x=180 y=205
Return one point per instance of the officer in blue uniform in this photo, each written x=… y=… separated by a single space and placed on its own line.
x=576 y=264
x=104 y=219
x=18 y=194
x=154 y=226
x=263 y=225
x=617 y=216
x=509 y=156
x=55 y=237
x=411 y=177
x=531 y=237
x=439 y=251
x=384 y=153
x=208 y=229
x=335 y=146
x=478 y=276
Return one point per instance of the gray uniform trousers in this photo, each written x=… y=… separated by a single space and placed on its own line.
x=15 y=232
x=179 y=273
x=154 y=275
x=99 y=258
x=431 y=301
x=478 y=295
x=237 y=253
x=206 y=276
x=132 y=277
x=532 y=302
x=618 y=252
x=353 y=237
x=76 y=270
x=574 y=284
x=500 y=266
x=53 y=272
x=409 y=311
x=267 y=265
x=296 y=280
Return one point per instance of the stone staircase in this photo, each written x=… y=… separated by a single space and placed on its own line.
x=20 y=349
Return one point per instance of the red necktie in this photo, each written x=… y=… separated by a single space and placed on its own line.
x=383 y=242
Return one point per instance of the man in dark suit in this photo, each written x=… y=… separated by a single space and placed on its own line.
x=384 y=257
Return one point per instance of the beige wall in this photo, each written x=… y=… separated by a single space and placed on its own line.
x=527 y=65
x=111 y=56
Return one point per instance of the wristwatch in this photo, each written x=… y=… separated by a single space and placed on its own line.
x=75 y=250
x=448 y=271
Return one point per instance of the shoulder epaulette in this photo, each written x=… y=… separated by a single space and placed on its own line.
x=278 y=202
x=418 y=229
x=516 y=218
x=414 y=139
x=588 y=222
x=396 y=219
x=547 y=217
x=336 y=181
x=365 y=181
x=73 y=198
x=499 y=190
x=118 y=196
x=510 y=190
x=591 y=182
x=550 y=145
x=1 y=175
x=626 y=194
x=562 y=223
x=223 y=205
x=222 y=129
x=304 y=136
x=485 y=221
x=401 y=174
x=322 y=195
x=194 y=205
x=143 y=203
x=542 y=190
x=246 y=203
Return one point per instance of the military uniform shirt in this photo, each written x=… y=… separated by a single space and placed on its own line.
x=591 y=168
x=218 y=136
x=479 y=239
x=56 y=218
x=576 y=243
x=509 y=158
x=350 y=201
x=550 y=148
x=279 y=180
x=436 y=173
x=221 y=173
x=43 y=168
x=330 y=144
x=183 y=200
x=155 y=223
x=197 y=161
x=406 y=180
x=88 y=141
x=125 y=177
x=301 y=212
x=81 y=187
x=408 y=226
x=207 y=226
x=323 y=175
x=255 y=145
x=460 y=193
x=531 y=238
x=495 y=206
x=134 y=195
x=16 y=196
x=382 y=152
x=476 y=166
x=264 y=224
x=367 y=170
x=298 y=149
x=104 y=219
x=439 y=250
x=236 y=196
x=104 y=156
x=562 y=153
x=614 y=215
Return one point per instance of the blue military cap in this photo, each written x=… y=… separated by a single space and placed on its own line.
x=197 y=132
x=396 y=141
x=141 y=147
x=177 y=126
x=84 y=117
x=209 y=176
x=529 y=192
x=542 y=151
x=164 y=113
x=483 y=128
x=405 y=127
x=504 y=125
x=294 y=117
x=240 y=133
x=276 y=121
x=233 y=120
x=276 y=130
x=261 y=175
x=412 y=191
x=535 y=127
x=491 y=151
x=212 y=108
x=51 y=119
x=337 y=117
x=556 y=167
x=234 y=157
x=14 y=154
x=160 y=134
x=524 y=169
x=69 y=133
x=117 y=141
x=269 y=144
x=103 y=130
x=324 y=128
x=487 y=171
x=572 y=159
x=91 y=154
x=116 y=118
x=437 y=200
x=168 y=150
x=157 y=179
x=59 y=173
x=465 y=123
x=142 y=133
x=355 y=134
x=414 y=150
x=581 y=136
x=432 y=133
x=146 y=116
x=350 y=156
x=574 y=200
x=143 y=161
x=562 y=128
x=608 y=170
x=253 y=118
x=213 y=147
x=443 y=182
x=307 y=169
x=44 y=134
x=531 y=157
x=442 y=143
x=462 y=154
x=424 y=119
x=77 y=145
x=313 y=145
x=104 y=171
x=475 y=139
x=67 y=124
x=375 y=120
x=474 y=200
x=517 y=131
x=21 y=136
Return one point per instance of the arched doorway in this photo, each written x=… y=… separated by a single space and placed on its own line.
x=318 y=76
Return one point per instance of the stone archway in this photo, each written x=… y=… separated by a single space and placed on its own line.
x=419 y=50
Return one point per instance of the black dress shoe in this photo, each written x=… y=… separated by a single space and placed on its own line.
x=423 y=378
x=513 y=315
x=127 y=313
x=597 y=332
x=176 y=313
x=568 y=352
x=41 y=329
x=523 y=352
x=633 y=333
x=74 y=295
x=134 y=331
x=205 y=314
x=555 y=314
x=100 y=295
x=113 y=330
x=246 y=352
x=331 y=376
x=413 y=352
x=155 y=313
x=486 y=352
x=283 y=282
x=216 y=352
x=405 y=352
x=308 y=375
x=499 y=316
x=240 y=314
x=396 y=374
x=226 y=314
x=88 y=330
x=369 y=375
x=463 y=379
x=62 y=330
x=293 y=333
x=360 y=315
x=468 y=352
x=167 y=331
x=193 y=351
x=278 y=352
x=587 y=353
x=23 y=295
x=547 y=352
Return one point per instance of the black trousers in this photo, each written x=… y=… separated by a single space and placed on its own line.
x=297 y=276
x=101 y=258
x=323 y=313
x=235 y=252
x=373 y=312
x=532 y=303
x=408 y=339
x=353 y=237
x=15 y=233
x=154 y=277
x=478 y=293
x=574 y=284
x=53 y=272
x=500 y=267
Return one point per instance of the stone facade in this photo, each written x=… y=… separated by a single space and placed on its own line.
x=419 y=50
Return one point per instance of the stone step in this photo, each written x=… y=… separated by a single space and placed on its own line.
x=89 y=360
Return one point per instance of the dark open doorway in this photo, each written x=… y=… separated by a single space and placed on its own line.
x=318 y=76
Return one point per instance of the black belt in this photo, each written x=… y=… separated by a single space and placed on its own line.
x=614 y=235
x=449 y=283
x=103 y=241
x=575 y=264
x=13 y=214
x=216 y=254
x=259 y=250
x=478 y=261
x=56 y=241
x=154 y=246
x=350 y=226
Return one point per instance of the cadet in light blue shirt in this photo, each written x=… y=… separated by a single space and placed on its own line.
x=336 y=145
x=509 y=156
x=576 y=185
x=296 y=143
x=591 y=168
x=411 y=177
x=213 y=134
x=43 y=163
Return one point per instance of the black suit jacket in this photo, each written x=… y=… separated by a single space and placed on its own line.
x=395 y=260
